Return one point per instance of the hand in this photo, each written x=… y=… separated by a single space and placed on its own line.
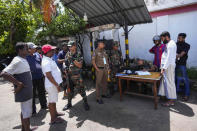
x=162 y=71
x=16 y=90
x=64 y=76
x=97 y=69
x=58 y=88
x=20 y=85
x=75 y=62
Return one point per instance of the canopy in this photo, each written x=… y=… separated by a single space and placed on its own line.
x=102 y=12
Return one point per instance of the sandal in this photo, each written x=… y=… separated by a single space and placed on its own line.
x=57 y=121
x=34 y=128
x=168 y=104
x=185 y=98
x=60 y=114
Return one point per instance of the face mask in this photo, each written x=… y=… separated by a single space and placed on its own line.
x=165 y=41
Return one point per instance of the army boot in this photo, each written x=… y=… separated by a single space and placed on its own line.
x=69 y=105
x=86 y=106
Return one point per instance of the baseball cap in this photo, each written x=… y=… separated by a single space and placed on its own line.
x=31 y=45
x=46 y=48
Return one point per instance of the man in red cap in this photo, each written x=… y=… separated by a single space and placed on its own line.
x=53 y=80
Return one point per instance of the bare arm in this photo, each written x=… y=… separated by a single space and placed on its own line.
x=60 y=61
x=52 y=80
x=78 y=64
x=11 y=79
x=181 y=54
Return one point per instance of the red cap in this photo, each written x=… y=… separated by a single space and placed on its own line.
x=47 y=48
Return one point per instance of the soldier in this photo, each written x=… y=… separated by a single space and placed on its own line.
x=101 y=64
x=115 y=63
x=74 y=62
x=139 y=64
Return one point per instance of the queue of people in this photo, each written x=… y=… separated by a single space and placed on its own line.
x=33 y=72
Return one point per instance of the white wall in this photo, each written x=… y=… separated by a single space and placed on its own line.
x=164 y=4
x=140 y=37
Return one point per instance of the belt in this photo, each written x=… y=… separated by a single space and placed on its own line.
x=101 y=67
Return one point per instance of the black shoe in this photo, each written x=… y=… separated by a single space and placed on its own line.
x=34 y=113
x=106 y=96
x=44 y=108
x=100 y=101
x=86 y=106
x=68 y=106
x=64 y=97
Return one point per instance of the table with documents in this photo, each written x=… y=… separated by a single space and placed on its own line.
x=147 y=77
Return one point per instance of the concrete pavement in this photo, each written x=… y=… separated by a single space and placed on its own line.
x=132 y=114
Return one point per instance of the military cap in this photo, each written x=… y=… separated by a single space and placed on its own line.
x=116 y=43
x=71 y=43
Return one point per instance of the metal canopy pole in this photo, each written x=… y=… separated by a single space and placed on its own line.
x=126 y=41
x=91 y=47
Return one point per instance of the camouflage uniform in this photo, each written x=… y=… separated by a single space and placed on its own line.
x=147 y=65
x=75 y=76
x=115 y=64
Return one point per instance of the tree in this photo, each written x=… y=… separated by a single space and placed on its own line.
x=18 y=23
x=24 y=20
x=64 y=24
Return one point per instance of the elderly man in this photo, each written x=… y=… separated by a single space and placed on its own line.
x=167 y=86
x=34 y=60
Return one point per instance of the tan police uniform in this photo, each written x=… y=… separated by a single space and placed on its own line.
x=101 y=59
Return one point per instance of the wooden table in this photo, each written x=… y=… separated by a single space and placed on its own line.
x=154 y=78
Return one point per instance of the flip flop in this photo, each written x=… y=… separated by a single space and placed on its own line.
x=185 y=99
x=60 y=114
x=58 y=120
x=167 y=104
x=34 y=128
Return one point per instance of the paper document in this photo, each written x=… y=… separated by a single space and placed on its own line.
x=121 y=74
x=143 y=73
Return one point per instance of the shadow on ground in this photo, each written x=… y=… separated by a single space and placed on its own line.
x=134 y=113
x=58 y=127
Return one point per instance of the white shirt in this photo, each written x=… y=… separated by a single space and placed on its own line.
x=17 y=66
x=169 y=55
x=48 y=65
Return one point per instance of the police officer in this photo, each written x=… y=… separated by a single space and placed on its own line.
x=115 y=62
x=74 y=60
x=101 y=65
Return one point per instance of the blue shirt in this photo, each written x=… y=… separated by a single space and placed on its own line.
x=61 y=55
x=35 y=65
x=55 y=58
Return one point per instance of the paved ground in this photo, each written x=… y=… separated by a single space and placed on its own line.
x=132 y=114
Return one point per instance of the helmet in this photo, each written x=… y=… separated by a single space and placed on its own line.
x=156 y=38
